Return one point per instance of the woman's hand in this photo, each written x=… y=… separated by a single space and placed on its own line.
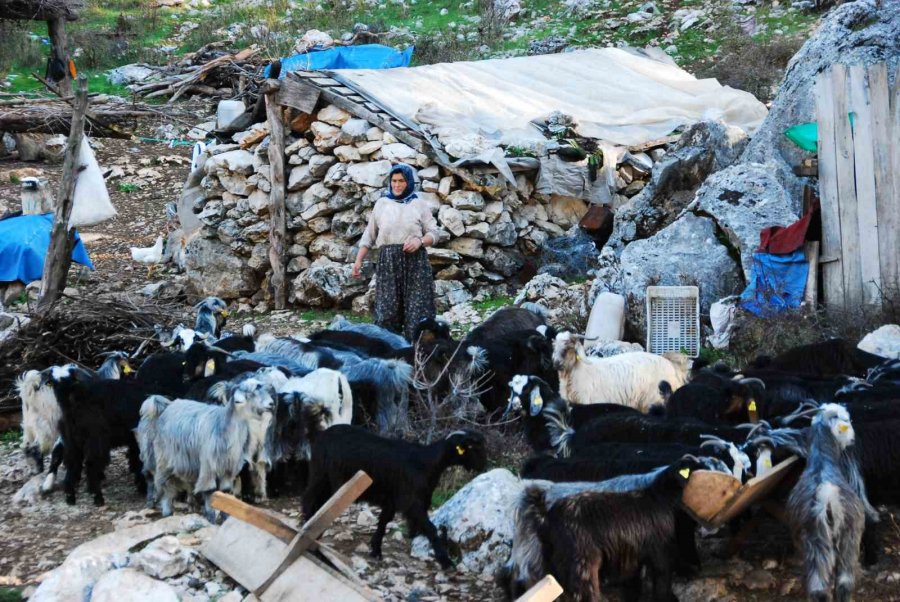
x=357 y=267
x=412 y=244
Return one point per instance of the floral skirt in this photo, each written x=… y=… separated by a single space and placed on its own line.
x=404 y=289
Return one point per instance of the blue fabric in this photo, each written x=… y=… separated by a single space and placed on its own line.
x=365 y=56
x=24 y=241
x=410 y=192
x=777 y=283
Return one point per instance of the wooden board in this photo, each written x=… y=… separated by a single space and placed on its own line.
x=300 y=96
x=309 y=579
x=887 y=194
x=245 y=553
x=832 y=272
x=714 y=498
x=864 y=171
x=847 y=205
x=545 y=590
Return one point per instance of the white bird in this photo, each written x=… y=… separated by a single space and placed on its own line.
x=150 y=255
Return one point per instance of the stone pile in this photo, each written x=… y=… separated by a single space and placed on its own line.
x=336 y=169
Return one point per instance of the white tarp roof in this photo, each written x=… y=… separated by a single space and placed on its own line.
x=620 y=95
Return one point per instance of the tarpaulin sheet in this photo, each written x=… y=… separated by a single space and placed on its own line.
x=365 y=56
x=24 y=241
x=624 y=96
x=777 y=283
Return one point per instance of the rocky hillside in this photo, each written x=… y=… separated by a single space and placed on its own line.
x=745 y=43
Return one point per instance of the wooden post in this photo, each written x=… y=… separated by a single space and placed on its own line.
x=832 y=266
x=62 y=237
x=56 y=28
x=277 y=228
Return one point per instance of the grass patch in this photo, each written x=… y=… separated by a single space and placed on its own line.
x=10 y=438
x=10 y=594
x=492 y=304
x=327 y=315
x=127 y=187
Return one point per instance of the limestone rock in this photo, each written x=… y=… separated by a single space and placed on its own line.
x=372 y=173
x=398 y=152
x=163 y=558
x=452 y=220
x=297 y=265
x=333 y=115
x=445 y=185
x=235 y=183
x=685 y=253
x=259 y=202
x=213 y=270
x=503 y=261
x=237 y=161
x=347 y=153
x=330 y=246
x=129 y=585
x=301 y=177
x=479 y=230
x=566 y=212
x=326 y=136
x=467 y=247
x=348 y=225
x=479 y=521
x=501 y=233
x=466 y=199
x=370 y=147
x=317 y=193
x=319 y=164
x=553 y=293
x=335 y=174
x=743 y=199
x=440 y=257
x=354 y=130
x=448 y=293
x=327 y=284
x=432 y=173
x=320 y=224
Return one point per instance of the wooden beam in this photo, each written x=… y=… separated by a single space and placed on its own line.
x=832 y=271
x=887 y=198
x=811 y=293
x=62 y=237
x=252 y=515
x=864 y=171
x=277 y=224
x=317 y=524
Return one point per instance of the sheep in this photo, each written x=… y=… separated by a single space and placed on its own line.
x=630 y=379
x=826 y=514
x=404 y=475
x=579 y=530
x=380 y=389
x=97 y=416
x=393 y=339
x=203 y=447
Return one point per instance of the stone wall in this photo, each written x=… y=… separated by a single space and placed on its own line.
x=337 y=167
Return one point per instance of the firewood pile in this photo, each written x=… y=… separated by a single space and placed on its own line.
x=211 y=71
x=81 y=331
x=107 y=116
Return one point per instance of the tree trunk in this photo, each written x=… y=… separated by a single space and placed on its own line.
x=277 y=228
x=62 y=237
x=56 y=27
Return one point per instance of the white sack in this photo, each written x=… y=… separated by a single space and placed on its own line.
x=607 y=320
x=884 y=342
x=91 y=203
x=721 y=316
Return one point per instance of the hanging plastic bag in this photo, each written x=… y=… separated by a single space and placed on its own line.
x=91 y=204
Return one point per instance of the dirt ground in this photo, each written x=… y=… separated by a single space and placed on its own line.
x=37 y=538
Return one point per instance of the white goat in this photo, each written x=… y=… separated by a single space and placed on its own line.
x=629 y=379
x=40 y=418
x=328 y=387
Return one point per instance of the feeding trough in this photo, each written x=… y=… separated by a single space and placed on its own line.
x=714 y=498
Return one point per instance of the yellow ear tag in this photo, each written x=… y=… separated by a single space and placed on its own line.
x=224 y=313
x=539 y=401
x=210 y=368
x=767 y=463
x=579 y=357
x=460 y=450
x=685 y=472
x=844 y=428
x=752 y=405
x=127 y=369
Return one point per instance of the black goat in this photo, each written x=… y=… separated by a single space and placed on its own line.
x=824 y=359
x=97 y=416
x=502 y=322
x=164 y=371
x=593 y=535
x=716 y=401
x=361 y=343
x=404 y=475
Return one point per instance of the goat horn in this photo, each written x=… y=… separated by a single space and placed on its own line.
x=711 y=443
x=793 y=417
x=752 y=380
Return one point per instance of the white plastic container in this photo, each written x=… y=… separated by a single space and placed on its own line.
x=607 y=320
x=228 y=111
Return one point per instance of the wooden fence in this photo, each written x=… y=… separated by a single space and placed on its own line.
x=859 y=184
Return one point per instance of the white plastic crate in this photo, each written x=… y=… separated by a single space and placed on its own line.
x=673 y=319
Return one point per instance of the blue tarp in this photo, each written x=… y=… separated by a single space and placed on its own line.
x=365 y=56
x=24 y=241
x=777 y=283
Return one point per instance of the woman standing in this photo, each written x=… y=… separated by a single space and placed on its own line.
x=401 y=226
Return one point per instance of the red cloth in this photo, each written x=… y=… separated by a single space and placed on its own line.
x=781 y=240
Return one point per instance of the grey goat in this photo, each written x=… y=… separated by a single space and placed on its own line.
x=827 y=516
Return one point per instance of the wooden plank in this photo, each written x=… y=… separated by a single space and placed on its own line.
x=246 y=554
x=832 y=272
x=887 y=197
x=317 y=524
x=323 y=81
x=308 y=578
x=342 y=90
x=545 y=590
x=847 y=205
x=811 y=293
x=252 y=515
x=707 y=492
x=895 y=171
x=864 y=170
x=62 y=237
x=277 y=221
x=300 y=96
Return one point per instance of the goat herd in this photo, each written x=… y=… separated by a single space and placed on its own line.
x=615 y=438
